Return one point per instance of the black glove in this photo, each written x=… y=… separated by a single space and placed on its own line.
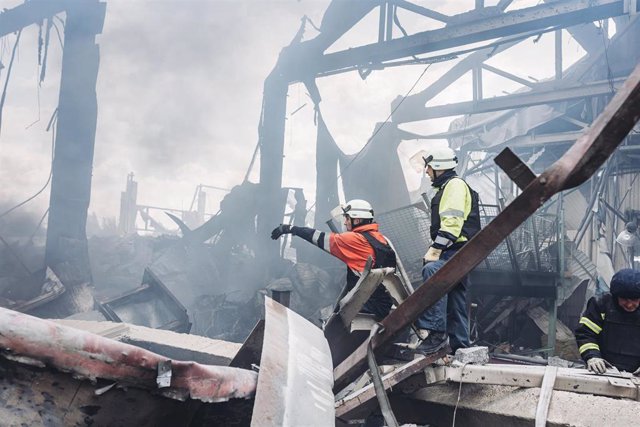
x=280 y=230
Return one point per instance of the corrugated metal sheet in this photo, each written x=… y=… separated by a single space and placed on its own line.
x=296 y=375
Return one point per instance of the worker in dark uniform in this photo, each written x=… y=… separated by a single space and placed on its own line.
x=609 y=330
x=455 y=219
x=353 y=247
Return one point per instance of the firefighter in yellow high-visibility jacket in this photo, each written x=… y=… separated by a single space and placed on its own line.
x=455 y=218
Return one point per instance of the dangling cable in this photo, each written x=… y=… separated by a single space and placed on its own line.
x=47 y=37
x=46 y=184
x=6 y=80
x=380 y=127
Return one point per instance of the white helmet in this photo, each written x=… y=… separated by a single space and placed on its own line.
x=441 y=159
x=358 y=208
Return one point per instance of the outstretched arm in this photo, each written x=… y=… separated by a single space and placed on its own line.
x=311 y=235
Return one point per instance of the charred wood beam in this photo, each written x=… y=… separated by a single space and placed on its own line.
x=561 y=15
x=507 y=102
x=582 y=159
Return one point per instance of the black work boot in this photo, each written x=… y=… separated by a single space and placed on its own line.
x=431 y=344
x=435 y=341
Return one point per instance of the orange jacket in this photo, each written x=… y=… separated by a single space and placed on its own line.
x=352 y=248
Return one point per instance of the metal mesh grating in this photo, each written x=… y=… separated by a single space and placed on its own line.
x=529 y=244
x=408 y=230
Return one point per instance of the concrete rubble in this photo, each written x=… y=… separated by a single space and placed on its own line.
x=477 y=355
x=482 y=405
x=213 y=324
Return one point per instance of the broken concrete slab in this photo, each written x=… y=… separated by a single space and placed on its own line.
x=479 y=405
x=477 y=355
x=171 y=344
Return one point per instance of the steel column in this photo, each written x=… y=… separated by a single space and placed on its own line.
x=75 y=139
x=271 y=135
x=558 y=54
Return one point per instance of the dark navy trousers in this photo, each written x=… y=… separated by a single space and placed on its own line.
x=449 y=314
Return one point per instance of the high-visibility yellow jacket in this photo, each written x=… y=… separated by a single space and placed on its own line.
x=455 y=212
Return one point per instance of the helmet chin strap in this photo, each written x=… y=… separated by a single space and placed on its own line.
x=360 y=222
x=351 y=222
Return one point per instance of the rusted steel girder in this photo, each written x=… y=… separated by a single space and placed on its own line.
x=40 y=342
x=586 y=155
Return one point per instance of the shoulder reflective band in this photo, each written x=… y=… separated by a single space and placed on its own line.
x=589 y=324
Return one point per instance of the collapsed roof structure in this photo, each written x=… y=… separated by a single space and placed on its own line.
x=568 y=141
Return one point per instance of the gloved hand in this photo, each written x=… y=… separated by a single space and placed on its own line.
x=597 y=365
x=432 y=254
x=280 y=230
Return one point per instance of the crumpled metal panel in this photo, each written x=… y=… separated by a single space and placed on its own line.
x=152 y=305
x=40 y=342
x=296 y=374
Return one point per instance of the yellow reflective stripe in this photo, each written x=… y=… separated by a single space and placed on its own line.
x=589 y=324
x=588 y=346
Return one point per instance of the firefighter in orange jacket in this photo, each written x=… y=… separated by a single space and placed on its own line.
x=353 y=247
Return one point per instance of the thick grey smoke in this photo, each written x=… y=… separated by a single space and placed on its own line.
x=180 y=89
x=19 y=224
x=180 y=92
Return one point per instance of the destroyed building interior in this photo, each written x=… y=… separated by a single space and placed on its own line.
x=188 y=317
